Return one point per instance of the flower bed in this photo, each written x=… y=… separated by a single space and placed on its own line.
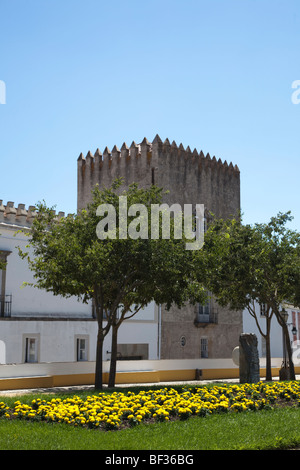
x=119 y=410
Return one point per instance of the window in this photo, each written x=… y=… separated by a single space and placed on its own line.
x=81 y=348
x=31 y=348
x=204 y=310
x=153 y=176
x=263 y=310
x=5 y=300
x=204 y=347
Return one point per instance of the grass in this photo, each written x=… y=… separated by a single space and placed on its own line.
x=264 y=429
x=277 y=429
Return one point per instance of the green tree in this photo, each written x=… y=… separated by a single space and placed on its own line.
x=244 y=265
x=2 y=264
x=2 y=261
x=120 y=275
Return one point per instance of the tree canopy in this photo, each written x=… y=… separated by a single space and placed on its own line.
x=244 y=264
x=119 y=274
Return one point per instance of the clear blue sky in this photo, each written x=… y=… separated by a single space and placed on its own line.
x=216 y=75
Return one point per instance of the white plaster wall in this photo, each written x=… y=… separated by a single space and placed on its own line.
x=57 y=338
x=132 y=332
x=29 y=300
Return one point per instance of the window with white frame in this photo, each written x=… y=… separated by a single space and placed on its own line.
x=204 y=310
x=81 y=348
x=31 y=348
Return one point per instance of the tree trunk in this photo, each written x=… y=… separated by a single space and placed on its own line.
x=267 y=338
x=288 y=347
x=268 y=361
x=289 y=352
x=99 y=358
x=268 y=350
x=113 y=358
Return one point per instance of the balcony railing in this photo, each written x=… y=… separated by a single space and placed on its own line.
x=5 y=305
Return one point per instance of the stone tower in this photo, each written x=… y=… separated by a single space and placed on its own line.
x=190 y=178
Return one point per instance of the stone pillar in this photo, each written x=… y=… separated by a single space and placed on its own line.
x=248 y=359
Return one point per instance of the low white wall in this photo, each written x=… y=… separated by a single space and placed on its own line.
x=45 y=369
x=19 y=371
x=70 y=368
x=175 y=364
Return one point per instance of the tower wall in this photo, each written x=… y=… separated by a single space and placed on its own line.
x=190 y=177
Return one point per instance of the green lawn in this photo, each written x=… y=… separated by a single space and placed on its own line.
x=277 y=428
x=249 y=430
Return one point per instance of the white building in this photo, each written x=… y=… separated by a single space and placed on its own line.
x=36 y=326
x=39 y=328
x=250 y=326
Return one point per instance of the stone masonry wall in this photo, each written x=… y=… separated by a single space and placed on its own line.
x=191 y=178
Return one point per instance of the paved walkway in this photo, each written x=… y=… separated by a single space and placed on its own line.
x=77 y=388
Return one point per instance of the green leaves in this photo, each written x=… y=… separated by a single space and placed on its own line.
x=119 y=273
x=242 y=263
x=69 y=258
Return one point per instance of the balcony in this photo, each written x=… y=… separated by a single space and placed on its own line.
x=5 y=305
x=206 y=317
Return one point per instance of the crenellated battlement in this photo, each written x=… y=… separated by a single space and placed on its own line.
x=19 y=216
x=189 y=176
x=145 y=150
